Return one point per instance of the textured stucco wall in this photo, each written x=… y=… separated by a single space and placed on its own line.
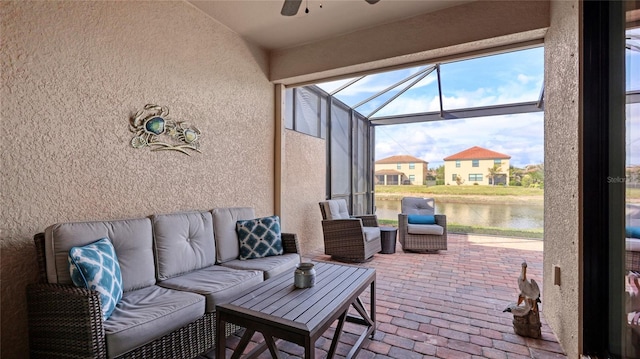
x=469 y=27
x=72 y=74
x=304 y=186
x=562 y=175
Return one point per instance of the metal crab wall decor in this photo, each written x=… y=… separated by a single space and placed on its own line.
x=151 y=122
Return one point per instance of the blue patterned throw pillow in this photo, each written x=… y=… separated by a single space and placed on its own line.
x=259 y=237
x=95 y=266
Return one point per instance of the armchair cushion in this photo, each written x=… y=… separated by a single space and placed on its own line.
x=421 y=219
x=259 y=237
x=371 y=233
x=416 y=205
x=432 y=229
x=95 y=266
x=336 y=209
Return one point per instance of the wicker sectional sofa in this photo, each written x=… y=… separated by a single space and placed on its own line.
x=175 y=269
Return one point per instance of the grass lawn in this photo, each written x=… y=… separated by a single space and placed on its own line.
x=464 y=194
x=462 y=190
x=461 y=228
x=633 y=194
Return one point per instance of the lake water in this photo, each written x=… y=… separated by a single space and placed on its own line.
x=520 y=216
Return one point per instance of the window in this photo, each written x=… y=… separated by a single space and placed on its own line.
x=454 y=177
x=475 y=177
x=305 y=111
x=412 y=166
x=475 y=163
x=457 y=163
x=399 y=166
x=412 y=178
x=497 y=162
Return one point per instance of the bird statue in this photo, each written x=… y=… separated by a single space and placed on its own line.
x=529 y=290
x=518 y=310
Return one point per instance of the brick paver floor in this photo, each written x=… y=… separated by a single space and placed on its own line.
x=444 y=305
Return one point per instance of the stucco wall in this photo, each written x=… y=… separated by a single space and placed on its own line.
x=561 y=304
x=72 y=74
x=304 y=186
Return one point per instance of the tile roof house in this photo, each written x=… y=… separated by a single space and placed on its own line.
x=473 y=166
x=401 y=169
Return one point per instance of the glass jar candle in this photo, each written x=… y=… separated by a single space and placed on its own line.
x=305 y=275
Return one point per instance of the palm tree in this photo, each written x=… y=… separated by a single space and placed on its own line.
x=493 y=171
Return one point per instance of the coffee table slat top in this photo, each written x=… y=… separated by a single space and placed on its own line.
x=279 y=301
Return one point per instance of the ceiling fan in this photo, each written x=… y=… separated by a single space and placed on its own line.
x=291 y=7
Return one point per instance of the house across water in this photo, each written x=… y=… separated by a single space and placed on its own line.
x=477 y=165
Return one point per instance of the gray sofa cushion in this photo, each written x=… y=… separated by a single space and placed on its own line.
x=146 y=314
x=217 y=283
x=131 y=238
x=270 y=266
x=371 y=233
x=184 y=242
x=432 y=229
x=224 y=227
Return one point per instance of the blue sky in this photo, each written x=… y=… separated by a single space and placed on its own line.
x=499 y=79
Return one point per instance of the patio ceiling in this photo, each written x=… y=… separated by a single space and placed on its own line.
x=260 y=21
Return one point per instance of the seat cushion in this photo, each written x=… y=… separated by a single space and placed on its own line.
x=184 y=242
x=224 y=227
x=371 y=233
x=633 y=244
x=218 y=284
x=131 y=238
x=432 y=229
x=146 y=314
x=270 y=266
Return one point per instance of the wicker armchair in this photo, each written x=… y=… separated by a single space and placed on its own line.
x=421 y=237
x=347 y=238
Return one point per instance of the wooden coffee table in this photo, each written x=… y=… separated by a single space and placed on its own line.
x=277 y=309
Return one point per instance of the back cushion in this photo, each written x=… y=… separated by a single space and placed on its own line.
x=336 y=209
x=224 y=225
x=132 y=240
x=184 y=242
x=414 y=205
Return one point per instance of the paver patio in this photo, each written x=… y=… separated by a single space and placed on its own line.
x=445 y=305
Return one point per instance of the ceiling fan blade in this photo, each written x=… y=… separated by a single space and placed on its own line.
x=290 y=7
x=372 y=1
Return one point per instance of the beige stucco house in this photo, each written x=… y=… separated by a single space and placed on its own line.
x=472 y=166
x=401 y=169
x=73 y=73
